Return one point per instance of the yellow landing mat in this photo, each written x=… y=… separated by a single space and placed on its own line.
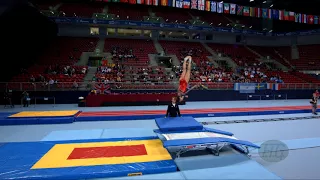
x=45 y=113
x=103 y=153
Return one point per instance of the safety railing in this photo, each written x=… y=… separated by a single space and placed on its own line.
x=87 y=86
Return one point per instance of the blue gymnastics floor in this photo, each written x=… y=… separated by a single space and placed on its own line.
x=302 y=136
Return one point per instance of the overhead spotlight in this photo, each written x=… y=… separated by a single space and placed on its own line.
x=228 y=24
x=264 y=2
x=157 y=19
x=271 y=5
x=243 y=26
x=250 y=27
x=221 y=2
x=210 y=23
x=176 y=20
x=148 y=19
x=271 y=30
x=127 y=17
x=202 y=22
x=185 y=21
x=219 y=24
x=251 y=0
x=167 y=20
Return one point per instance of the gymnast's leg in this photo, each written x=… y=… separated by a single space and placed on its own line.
x=188 y=70
x=184 y=69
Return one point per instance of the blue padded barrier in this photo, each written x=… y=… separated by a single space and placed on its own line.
x=178 y=124
x=198 y=141
x=279 y=112
x=158 y=131
x=16 y=165
x=201 y=115
x=56 y=120
x=32 y=121
x=217 y=131
x=205 y=129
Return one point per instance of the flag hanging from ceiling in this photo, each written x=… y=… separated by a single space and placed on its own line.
x=258 y=12
x=141 y=1
x=164 y=2
x=148 y=2
x=270 y=13
x=178 y=4
x=252 y=12
x=155 y=2
x=233 y=8
x=171 y=3
x=186 y=4
x=286 y=15
x=304 y=18
x=208 y=4
x=297 y=18
x=213 y=6
x=281 y=15
x=264 y=13
x=275 y=14
x=240 y=10
x=123 y=1
x=310 y=19
x=201 y=5
x=132 y=1
x=291 y=16
x=300 y=18
x=226 y=8
x=194 y=4
x=246 y=11
x=316 y=19
x=220 y=7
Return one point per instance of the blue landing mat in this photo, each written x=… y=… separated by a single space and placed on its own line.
x=16 y=159
x=178 y=124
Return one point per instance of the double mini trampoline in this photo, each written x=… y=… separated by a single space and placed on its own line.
x=183 y=134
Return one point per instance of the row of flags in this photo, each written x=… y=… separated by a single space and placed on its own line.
x=229 y=8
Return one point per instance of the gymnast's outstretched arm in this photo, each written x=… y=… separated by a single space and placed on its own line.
x=193 y=87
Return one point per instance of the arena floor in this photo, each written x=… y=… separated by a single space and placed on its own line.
x=301 y=136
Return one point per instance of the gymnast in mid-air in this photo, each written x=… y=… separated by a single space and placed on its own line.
x=185 y=78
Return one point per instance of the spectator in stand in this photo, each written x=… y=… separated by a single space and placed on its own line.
x=84 y=71
x=51 y=82
x=32 y=79
x=75 y=85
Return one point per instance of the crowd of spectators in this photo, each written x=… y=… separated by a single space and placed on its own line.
x=109 y=73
